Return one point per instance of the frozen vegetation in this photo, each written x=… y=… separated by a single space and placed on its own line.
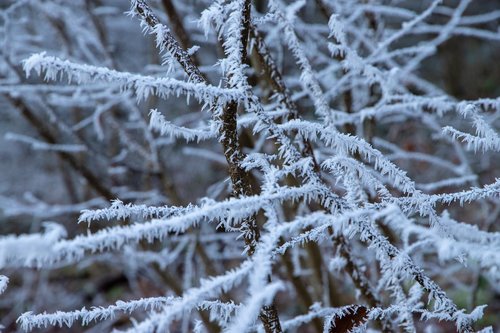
x=248 y=166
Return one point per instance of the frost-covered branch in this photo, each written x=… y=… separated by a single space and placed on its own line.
x=30 y=321
x=347 y=189
x=143 y=86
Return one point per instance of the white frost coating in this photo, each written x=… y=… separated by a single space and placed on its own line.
x=486 y=137
x=220 y=311
x=143 y=86
x=30 y=249
x=261 y=291
x=120 y=211
x=191 y=298
x=308 y=76
x=158 y=122
x=250 y=311
x=4 y=281
x=49 y=250
x=30 y=321
x=344 y=144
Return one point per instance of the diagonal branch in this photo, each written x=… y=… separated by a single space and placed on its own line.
x=176 y=23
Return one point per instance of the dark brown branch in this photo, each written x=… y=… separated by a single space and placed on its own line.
x=176 y=24
x=232 y=150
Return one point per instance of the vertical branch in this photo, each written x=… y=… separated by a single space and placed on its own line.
x=228 y=134
x=232 y=149
x=268 y=314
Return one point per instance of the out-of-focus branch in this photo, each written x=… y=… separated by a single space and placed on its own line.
x=176 y=24
x=94 y=181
